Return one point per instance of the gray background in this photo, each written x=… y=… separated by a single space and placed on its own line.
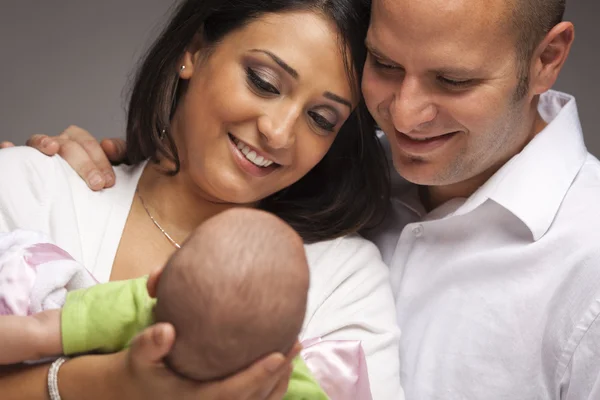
x=67 y=62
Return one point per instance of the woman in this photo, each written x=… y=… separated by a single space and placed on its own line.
x=252 y=103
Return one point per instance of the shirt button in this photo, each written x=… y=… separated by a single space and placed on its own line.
x=418 y=231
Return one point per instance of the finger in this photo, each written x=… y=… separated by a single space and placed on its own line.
x=76 y=133
x=296 y=349
x=96 y=153
x=281 y=387
x=258 y=380
x=79 y=159
x=6 y=145
x=35 y=141
x=152 y=345
x=152 y=283
x=115 y=149
x=44 y=144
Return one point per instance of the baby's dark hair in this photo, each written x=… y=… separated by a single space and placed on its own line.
x=235 y=292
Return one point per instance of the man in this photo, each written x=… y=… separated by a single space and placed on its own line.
x=497 y=272
x=492 y=246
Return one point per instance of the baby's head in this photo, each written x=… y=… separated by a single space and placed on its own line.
x=235 y=292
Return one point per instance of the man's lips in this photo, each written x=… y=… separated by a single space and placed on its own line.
x=422 y=144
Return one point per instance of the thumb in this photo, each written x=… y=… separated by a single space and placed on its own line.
x=152 y=345
x=115 y=149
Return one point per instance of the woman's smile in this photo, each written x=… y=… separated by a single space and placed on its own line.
x=251 y=160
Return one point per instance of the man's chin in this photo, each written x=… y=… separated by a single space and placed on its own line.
x=415 y=170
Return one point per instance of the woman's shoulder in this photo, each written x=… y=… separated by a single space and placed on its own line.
x=27 y=174
x=34 y=187
x=20 y=161
x=23 y=167
x=343 y=248
x=343 y=256
x=127 y=176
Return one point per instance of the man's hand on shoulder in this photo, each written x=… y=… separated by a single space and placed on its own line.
x=90 y=158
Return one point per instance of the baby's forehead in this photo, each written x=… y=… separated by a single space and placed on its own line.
x=236 y=249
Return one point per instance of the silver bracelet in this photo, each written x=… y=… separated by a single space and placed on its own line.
x=53 y=378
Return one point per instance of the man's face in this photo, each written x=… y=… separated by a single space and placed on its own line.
x=441 y=80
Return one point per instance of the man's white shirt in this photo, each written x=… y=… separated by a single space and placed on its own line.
x=498 y=295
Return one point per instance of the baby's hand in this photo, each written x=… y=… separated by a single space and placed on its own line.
x=29 y=338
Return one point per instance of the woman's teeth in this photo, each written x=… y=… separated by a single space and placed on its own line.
x=251 y=155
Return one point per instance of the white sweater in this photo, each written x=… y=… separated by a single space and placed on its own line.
x=350 y=296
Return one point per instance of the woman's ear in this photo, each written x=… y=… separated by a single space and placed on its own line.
x=153 y=279
x=191 y=57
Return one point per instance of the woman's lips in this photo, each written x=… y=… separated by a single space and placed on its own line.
x=248 y=166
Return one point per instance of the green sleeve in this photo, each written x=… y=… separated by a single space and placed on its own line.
x=303 y=386
x=105 y=317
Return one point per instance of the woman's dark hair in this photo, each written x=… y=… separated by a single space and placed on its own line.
x=347 y=191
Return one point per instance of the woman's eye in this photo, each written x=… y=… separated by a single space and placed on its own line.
x=455 y=83
x=259 y=83
x=321 y=121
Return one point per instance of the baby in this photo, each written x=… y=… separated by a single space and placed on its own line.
x=235 y=292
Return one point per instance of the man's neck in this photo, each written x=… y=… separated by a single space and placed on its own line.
x=434 y=196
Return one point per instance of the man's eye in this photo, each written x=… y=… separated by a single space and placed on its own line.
x=378 y=64
x=454 y=82
x=259 y=83
x=381 y=65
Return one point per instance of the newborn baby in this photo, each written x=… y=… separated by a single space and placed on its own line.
x=235 y=292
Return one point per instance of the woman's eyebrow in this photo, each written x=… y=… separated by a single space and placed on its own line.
x=335 y=97
x=286 y=67
x=279 y=62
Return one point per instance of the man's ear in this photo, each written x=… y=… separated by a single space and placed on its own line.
x=550 y=56
x=153 y=279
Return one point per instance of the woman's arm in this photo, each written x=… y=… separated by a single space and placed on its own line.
x=27 y=383
x=353 y=301
x=138 y=373
x=81 y=378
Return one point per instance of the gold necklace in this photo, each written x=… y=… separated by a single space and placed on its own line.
x=173 y=242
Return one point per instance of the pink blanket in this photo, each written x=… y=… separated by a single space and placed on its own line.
x=339 y=366
x=35 y=275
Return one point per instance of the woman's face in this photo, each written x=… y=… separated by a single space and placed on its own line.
x=263 y=108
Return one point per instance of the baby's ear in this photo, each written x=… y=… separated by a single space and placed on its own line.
x=153 y=279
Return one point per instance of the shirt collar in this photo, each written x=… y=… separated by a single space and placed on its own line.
x=533 y=184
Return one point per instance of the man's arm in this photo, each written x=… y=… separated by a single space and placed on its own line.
x=581 y=378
